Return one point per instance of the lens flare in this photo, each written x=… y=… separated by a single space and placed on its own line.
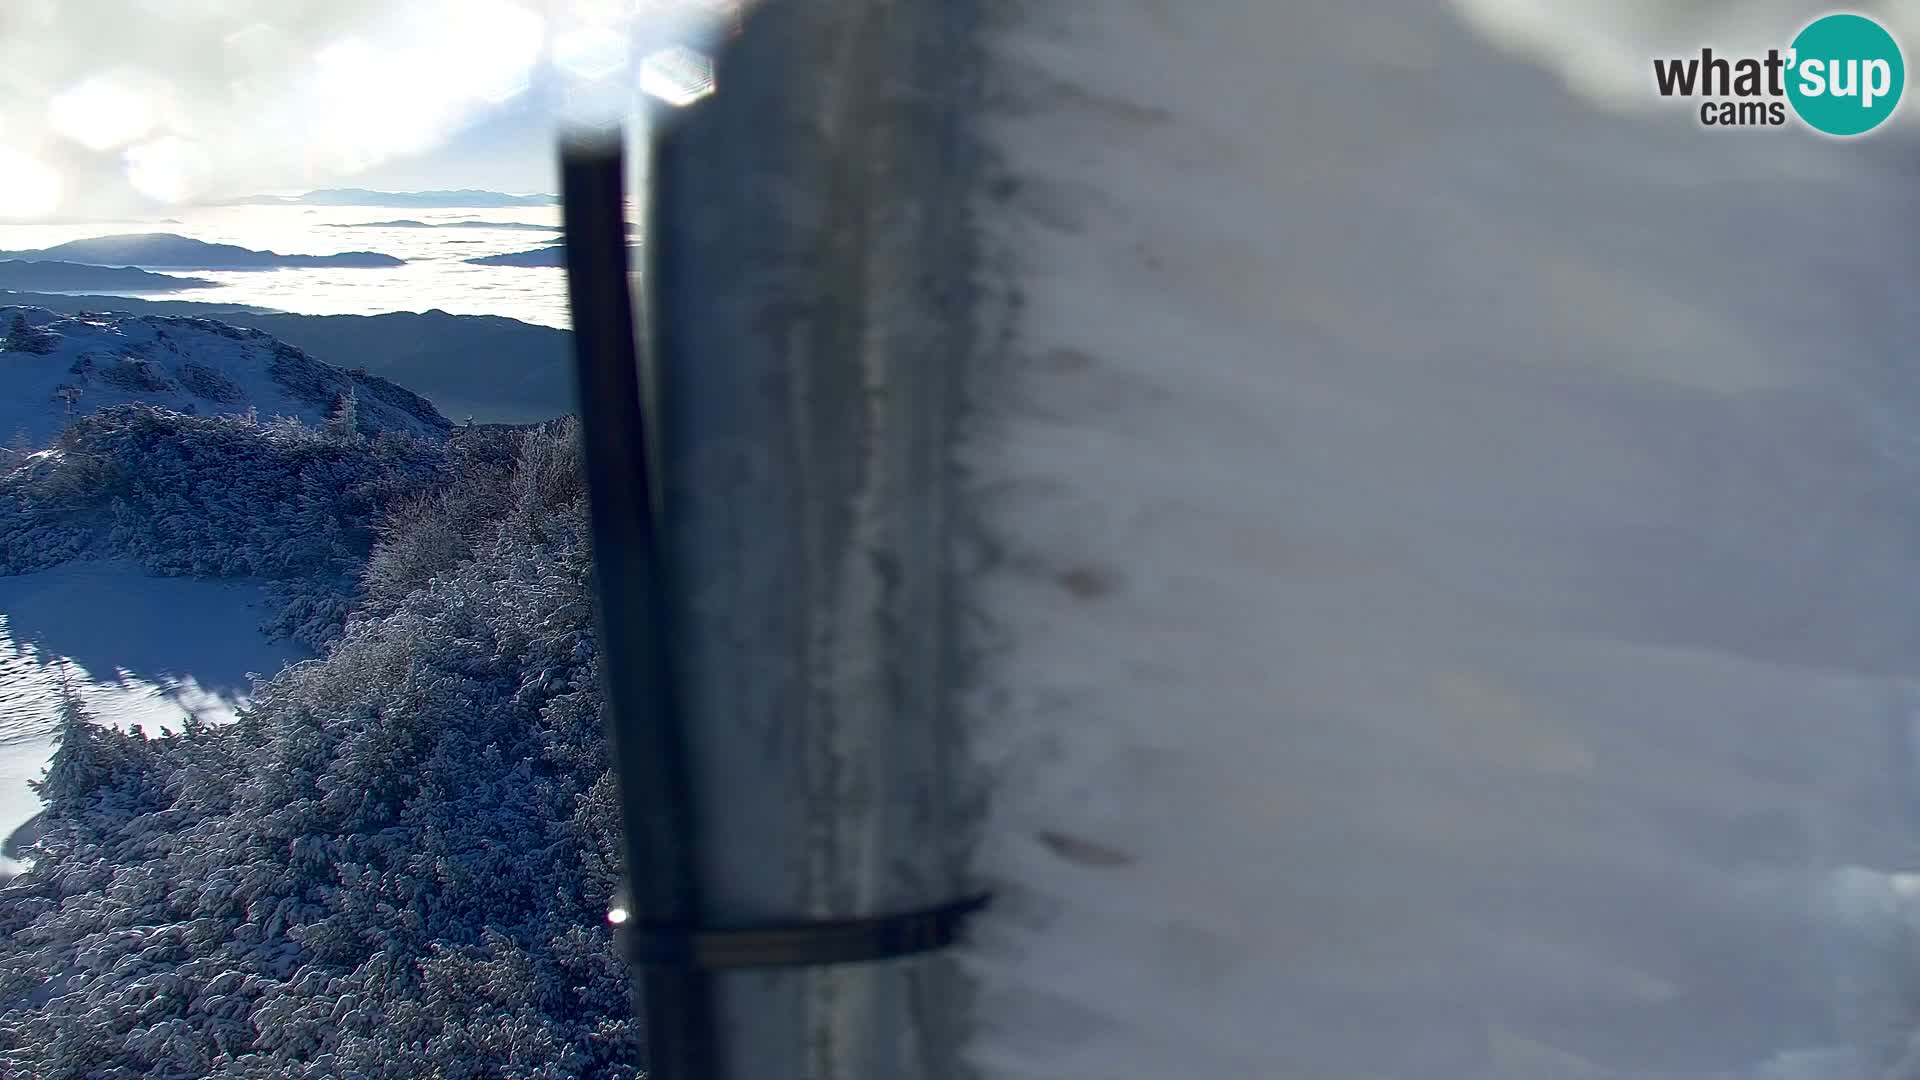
x=678 y=75
x=591 y=52
x=170 y=169
x=593 y=64
x=418 y=80
x=498 y=46
x=100 y=114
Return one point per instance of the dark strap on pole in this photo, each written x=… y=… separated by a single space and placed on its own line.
x=815 y=943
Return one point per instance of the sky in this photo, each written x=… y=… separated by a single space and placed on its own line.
x=129 y=106
x=508 y=148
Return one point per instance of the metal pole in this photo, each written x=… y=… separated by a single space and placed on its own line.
x=809 y=267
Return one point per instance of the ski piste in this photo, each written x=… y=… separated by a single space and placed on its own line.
x=1425 y=584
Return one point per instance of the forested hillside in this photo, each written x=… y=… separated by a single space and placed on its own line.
x=396 y=864
x=222 y=496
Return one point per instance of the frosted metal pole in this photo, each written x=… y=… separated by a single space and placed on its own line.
x=809 y=260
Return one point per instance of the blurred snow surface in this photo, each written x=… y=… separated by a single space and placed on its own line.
x=1457 y=599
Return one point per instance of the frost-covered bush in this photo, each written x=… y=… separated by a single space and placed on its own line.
x=394 y=865
x=432 y=533
x=210 y=383
x=134 y=375
x=220 y=497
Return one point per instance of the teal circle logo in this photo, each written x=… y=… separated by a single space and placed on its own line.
x=1845 y=74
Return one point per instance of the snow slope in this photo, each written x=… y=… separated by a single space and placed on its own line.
x=189 y=365
x=139 y=649
x=1456 y=600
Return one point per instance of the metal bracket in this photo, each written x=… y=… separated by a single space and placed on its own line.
x=815 y=943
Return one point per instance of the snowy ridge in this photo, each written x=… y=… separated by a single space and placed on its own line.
x=54 y=367
x=1454 y=611
x=495 y=368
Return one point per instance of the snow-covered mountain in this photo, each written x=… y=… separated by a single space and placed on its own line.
x=54 y=367
x=496 y=369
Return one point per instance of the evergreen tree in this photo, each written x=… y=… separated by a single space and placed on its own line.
x=343 y=420
x=23 y=337
x=79 y=765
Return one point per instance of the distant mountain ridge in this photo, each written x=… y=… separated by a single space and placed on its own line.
x=464 y=197
x=78 y=303
x=551 y=255
x=408 y=223
x=72 y=276
x=488 y=367
x=171 y=251
x=54 y=367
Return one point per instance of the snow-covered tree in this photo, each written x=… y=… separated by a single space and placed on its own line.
x=23 y=336
x=343 y=420
x=89 y=761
